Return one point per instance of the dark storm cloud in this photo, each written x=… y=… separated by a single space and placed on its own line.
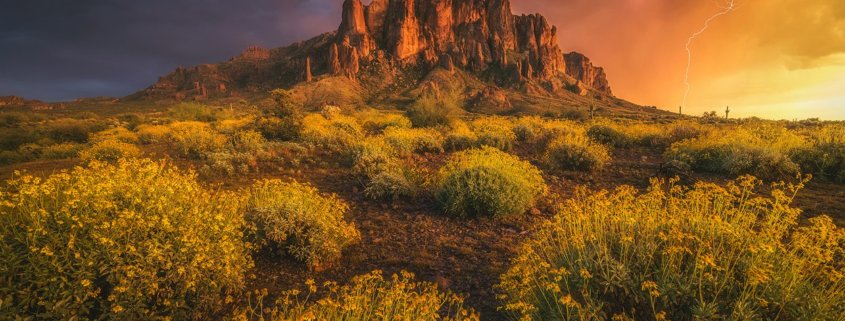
x=64 y=49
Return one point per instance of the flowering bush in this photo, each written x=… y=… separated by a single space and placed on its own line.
x=571 y=152
x=61 y=151
x=376 y=122
x=135 y=240
x=150 y=134
x=118 y=133
x=195 y=139
x=413 y=140
x=459 y=136
x=494 y=132
x=487 y=181
x=336 y=133
x=367 y=297
x=296 y=219
x=109 y=151
x=673 y=253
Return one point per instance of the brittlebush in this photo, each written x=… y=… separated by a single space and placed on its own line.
x=298 y=220
x=488 y=182
x=138 y=240
x=673 y=253
x=367 y=297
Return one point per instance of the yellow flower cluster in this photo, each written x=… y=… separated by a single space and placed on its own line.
x=675 y=253
x=367 y=297
x=133 y=240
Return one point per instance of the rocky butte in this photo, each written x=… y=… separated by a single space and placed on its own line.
x=395 y=50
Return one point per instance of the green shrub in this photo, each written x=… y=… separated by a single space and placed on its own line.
x=407 y=141
x=459 y=136
x=487 y=181
x=195 y=139
x=759 y=150
x=367 y=297
x=576 y=153
x=431 y=110
x=382 y=173
x=13 y=138
x=376 y=122
x=336 y=134
x=494 y=132
x=609 y=135
x=298 y=220
x=282 y=119
x=61 y=151
x=138 y=240
x=71 y=130
x=825 y=155
x=706 y=253
x=109 y=151
x=118 y=133
x=151 y=134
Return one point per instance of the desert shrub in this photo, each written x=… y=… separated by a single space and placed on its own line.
x=487 y=181
x=195 y=139
x=825 y=155
x=231 y=126
x=191 y=111
x=494 y=132
x=297 y=219
x=459 y=136
x=118 y=133
x=138 y=240
x=529 y=128
x=151 y=134
x=71 y=130
x=11 y=157
x=131 y=120
x=282 y=119
x=761 y=150
x=13 y=138
x=434 y=110
x=573 y=152
x=610 y=135
x=61 y=151
x=378 y=168
x=109 y=151
x=336 y=134
x=414 y=140
x=705 y=253
x=376 y=122
x=366 y=297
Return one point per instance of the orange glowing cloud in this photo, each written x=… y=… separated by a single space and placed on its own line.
x=772 y=58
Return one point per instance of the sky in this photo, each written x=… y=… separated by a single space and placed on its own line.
x=778 y=59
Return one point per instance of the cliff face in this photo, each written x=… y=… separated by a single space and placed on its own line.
x=378 y=43
x=471 y=34
x=579 y=67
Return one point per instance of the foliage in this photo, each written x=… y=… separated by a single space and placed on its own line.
x=825 y=155
x=283 y=119
x=61 y=151
x=297 y=219
x=336 y=133
x=191 y=111
x=487 y=181
x=406 y=141
x=459 y=136
x=758 y=149
x=150 y=134
x=383 y=174
x=118 y=133
x=705 y=253
x=135 y=240
x=195 y=139
x=573 y=152
x=71 y=130
x=367 y=297
x=109 y=151
x=432 y=110
x=376 y=122
x=495 y=132
x=610 y=135
x=231 y=126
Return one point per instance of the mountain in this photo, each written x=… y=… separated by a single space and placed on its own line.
x=391 y=51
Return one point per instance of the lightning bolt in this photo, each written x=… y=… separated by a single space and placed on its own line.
x=731 y=6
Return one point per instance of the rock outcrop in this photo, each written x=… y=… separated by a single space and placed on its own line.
x=579 y=67
x=391 y=45
x=473 y=34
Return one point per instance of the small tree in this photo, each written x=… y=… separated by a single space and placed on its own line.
x=283 y=119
